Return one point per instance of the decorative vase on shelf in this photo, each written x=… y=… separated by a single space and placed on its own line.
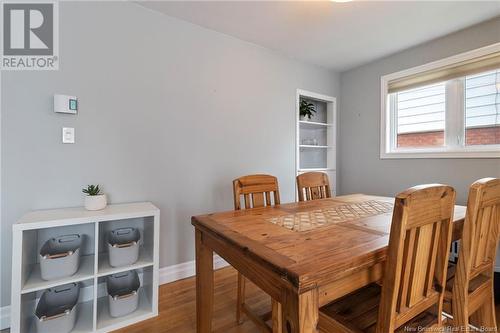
x=94 y=200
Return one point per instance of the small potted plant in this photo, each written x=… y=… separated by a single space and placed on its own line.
x=94 y=200
x=306 y=110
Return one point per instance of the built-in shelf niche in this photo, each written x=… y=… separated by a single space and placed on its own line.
x=316 y=137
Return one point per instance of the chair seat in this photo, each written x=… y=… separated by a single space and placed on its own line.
x=358 y=312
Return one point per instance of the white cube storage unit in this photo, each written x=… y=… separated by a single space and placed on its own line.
x=35 y=228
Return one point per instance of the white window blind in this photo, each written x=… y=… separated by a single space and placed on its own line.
x=421 y=109
x=470 y=66
x=482 y=100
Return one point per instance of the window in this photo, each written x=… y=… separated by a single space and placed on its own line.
x=450 y=108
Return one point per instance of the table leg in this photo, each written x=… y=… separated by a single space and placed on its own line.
x=276 y=316
x=204 y=286
x=300 y=312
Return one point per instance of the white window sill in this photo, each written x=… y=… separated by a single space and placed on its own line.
x=476 y=152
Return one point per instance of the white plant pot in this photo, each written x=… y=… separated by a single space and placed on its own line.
x=95 y=202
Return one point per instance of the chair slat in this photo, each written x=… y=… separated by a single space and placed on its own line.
x=258 y=200
x=315 y=193
x=481 y=235
x=248 y=204
x=436 y=233
x=268 y=199
x=406 y=269
x=421 y=260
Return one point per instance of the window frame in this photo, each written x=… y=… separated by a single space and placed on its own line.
x=388 y=135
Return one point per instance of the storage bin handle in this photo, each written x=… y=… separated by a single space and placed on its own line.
x=45 y=318
x=61 y=290
x=123 y=231
x=134 y=292
x=67 y=238
x=121 y=275
x=129 y=244
x=58 y=255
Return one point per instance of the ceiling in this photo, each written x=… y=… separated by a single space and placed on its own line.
x=334 y=35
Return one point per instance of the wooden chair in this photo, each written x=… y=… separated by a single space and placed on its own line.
x=257 y=191
x=412 y=289
x=469 y=287
x=315 y=185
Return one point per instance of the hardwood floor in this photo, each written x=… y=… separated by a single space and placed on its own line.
x=177 y=307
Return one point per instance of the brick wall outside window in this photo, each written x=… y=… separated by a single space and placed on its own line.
x=482 y=136
x=474 y=136
x=421 y=139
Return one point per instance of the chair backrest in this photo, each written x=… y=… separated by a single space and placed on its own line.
x=257 y=191
x=313 y=185
x=415 y=273
x=480 y=234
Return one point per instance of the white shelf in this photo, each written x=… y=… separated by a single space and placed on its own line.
x=315 y=146
x=78 y=215
x=145 y=260
x=312 y=124
x=106 y=323
x=35 y=281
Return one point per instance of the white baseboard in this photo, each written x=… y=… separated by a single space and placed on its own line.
x=186 y=269
x=167 y=274
x=4 y=317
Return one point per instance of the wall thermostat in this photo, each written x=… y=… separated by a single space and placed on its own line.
x=65 y=104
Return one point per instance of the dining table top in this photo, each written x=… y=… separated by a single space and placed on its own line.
x=313 y=242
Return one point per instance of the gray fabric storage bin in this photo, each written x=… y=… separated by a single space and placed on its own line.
x=60 y=256
x=56 y=310
x=123 y=246
x=123 y=293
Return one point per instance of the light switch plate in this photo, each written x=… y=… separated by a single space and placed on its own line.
x=68 y=135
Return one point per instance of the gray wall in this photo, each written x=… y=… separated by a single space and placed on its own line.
x=360 y=166
x=169 y=112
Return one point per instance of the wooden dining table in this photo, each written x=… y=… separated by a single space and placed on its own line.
x=304 y=255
